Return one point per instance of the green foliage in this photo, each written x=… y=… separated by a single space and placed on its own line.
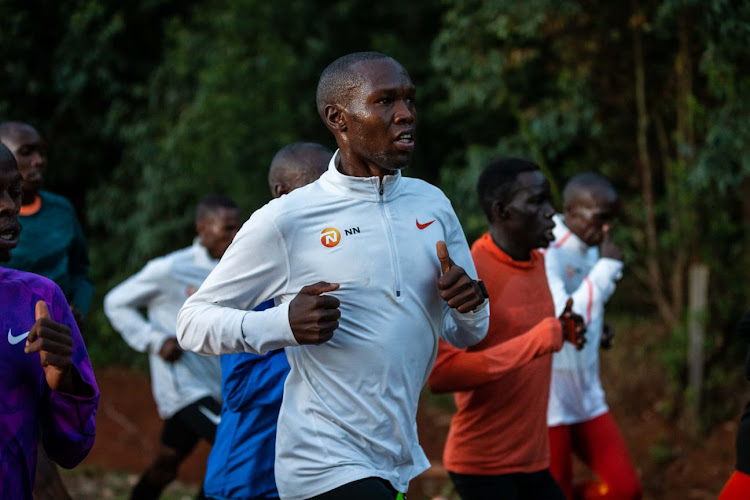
x=151 y=104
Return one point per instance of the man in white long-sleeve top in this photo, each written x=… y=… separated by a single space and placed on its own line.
x=361 y=266
x=186 y=386
x=584 y=264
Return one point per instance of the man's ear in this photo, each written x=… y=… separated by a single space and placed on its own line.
x=499 y=210
x=335 y=118
x=280 y=188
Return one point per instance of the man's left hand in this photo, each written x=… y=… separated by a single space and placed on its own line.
x=456 y=287
x=54 y=344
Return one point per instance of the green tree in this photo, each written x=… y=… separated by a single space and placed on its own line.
x=648 y=93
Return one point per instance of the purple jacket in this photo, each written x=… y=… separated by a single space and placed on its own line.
x=28 y=406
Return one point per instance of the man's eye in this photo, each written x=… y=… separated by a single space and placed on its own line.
x=385 y=100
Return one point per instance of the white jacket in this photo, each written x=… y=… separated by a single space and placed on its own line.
x=161 y=288
x=575 y=270
x=349 y=404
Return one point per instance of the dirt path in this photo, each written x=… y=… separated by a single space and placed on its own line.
x=672 y=468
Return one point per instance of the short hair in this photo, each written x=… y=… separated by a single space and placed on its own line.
x=497 y=180
x=211 y=204
x=584 y=184
x=8 y=129
x=339 y=79
x=298 y=158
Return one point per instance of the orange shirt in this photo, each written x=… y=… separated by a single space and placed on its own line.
x=500 y=426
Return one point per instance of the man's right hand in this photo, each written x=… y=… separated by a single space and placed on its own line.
x=170 y=350
x=574 y=331
x=313 y=317
x=608 y=247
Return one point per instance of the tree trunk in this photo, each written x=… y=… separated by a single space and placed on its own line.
x=655 y=283
x=698 y=290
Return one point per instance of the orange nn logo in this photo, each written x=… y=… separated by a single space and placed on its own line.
x=330 y=237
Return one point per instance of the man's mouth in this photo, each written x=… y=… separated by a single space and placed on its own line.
x=405 y=140
x=9 y=234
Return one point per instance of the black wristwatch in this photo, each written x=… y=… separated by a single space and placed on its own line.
x=483 y=289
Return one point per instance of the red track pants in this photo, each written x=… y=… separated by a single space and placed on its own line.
x=599 y=444
x=737 y=487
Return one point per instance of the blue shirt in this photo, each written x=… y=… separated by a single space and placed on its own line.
x=241 y=462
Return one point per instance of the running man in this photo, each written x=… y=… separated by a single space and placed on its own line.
x=584 y=264
x=49 y=393
x=52 y=242
x=51 y=245
x=186 y=387
x=497 y=446
x=240 y=466
x=368 y=269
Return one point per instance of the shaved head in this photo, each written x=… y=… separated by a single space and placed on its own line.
x=588 y=186
x=296 y=165
x=10 y=130
x=30 y=152
x=339 y=79
x=590 y=207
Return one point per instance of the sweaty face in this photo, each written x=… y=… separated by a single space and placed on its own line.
x=31 y=155
x=588 y=216
x=381 y=119
x=530 y=211
x=217 y=229
x=10 y=204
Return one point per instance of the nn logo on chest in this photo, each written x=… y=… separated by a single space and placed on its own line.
x=330 y=236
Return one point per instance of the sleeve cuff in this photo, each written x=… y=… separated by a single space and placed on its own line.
x=605 y=272
x=267 y=330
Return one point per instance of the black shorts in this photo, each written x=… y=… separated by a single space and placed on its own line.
x=372 y=488
x=194 y=422
x=517 y=486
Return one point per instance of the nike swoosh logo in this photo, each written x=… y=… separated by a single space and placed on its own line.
x=213 y=417
x=422 y=226
x=15 y=339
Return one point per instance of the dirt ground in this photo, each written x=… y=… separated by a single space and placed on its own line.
x=672 y=466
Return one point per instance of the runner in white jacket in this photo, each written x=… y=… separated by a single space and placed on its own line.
x=351 y=261
x=186 y=386
x=577 y=414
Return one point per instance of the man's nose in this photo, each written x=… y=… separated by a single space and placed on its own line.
x=39 y=159
x=404 y=112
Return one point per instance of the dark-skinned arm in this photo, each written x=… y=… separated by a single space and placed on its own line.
x=71 y=398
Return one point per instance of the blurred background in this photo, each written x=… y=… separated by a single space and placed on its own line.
x=148 y=105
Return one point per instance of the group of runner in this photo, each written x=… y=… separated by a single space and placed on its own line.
x=325 y=314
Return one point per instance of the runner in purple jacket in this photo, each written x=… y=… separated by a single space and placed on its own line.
x=47 y=386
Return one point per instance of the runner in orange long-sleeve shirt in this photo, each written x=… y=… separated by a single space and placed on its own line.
x=498 y=447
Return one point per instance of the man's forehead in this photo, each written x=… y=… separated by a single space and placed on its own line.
x=22 y=134
x=384 y=72
x=533 y=180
